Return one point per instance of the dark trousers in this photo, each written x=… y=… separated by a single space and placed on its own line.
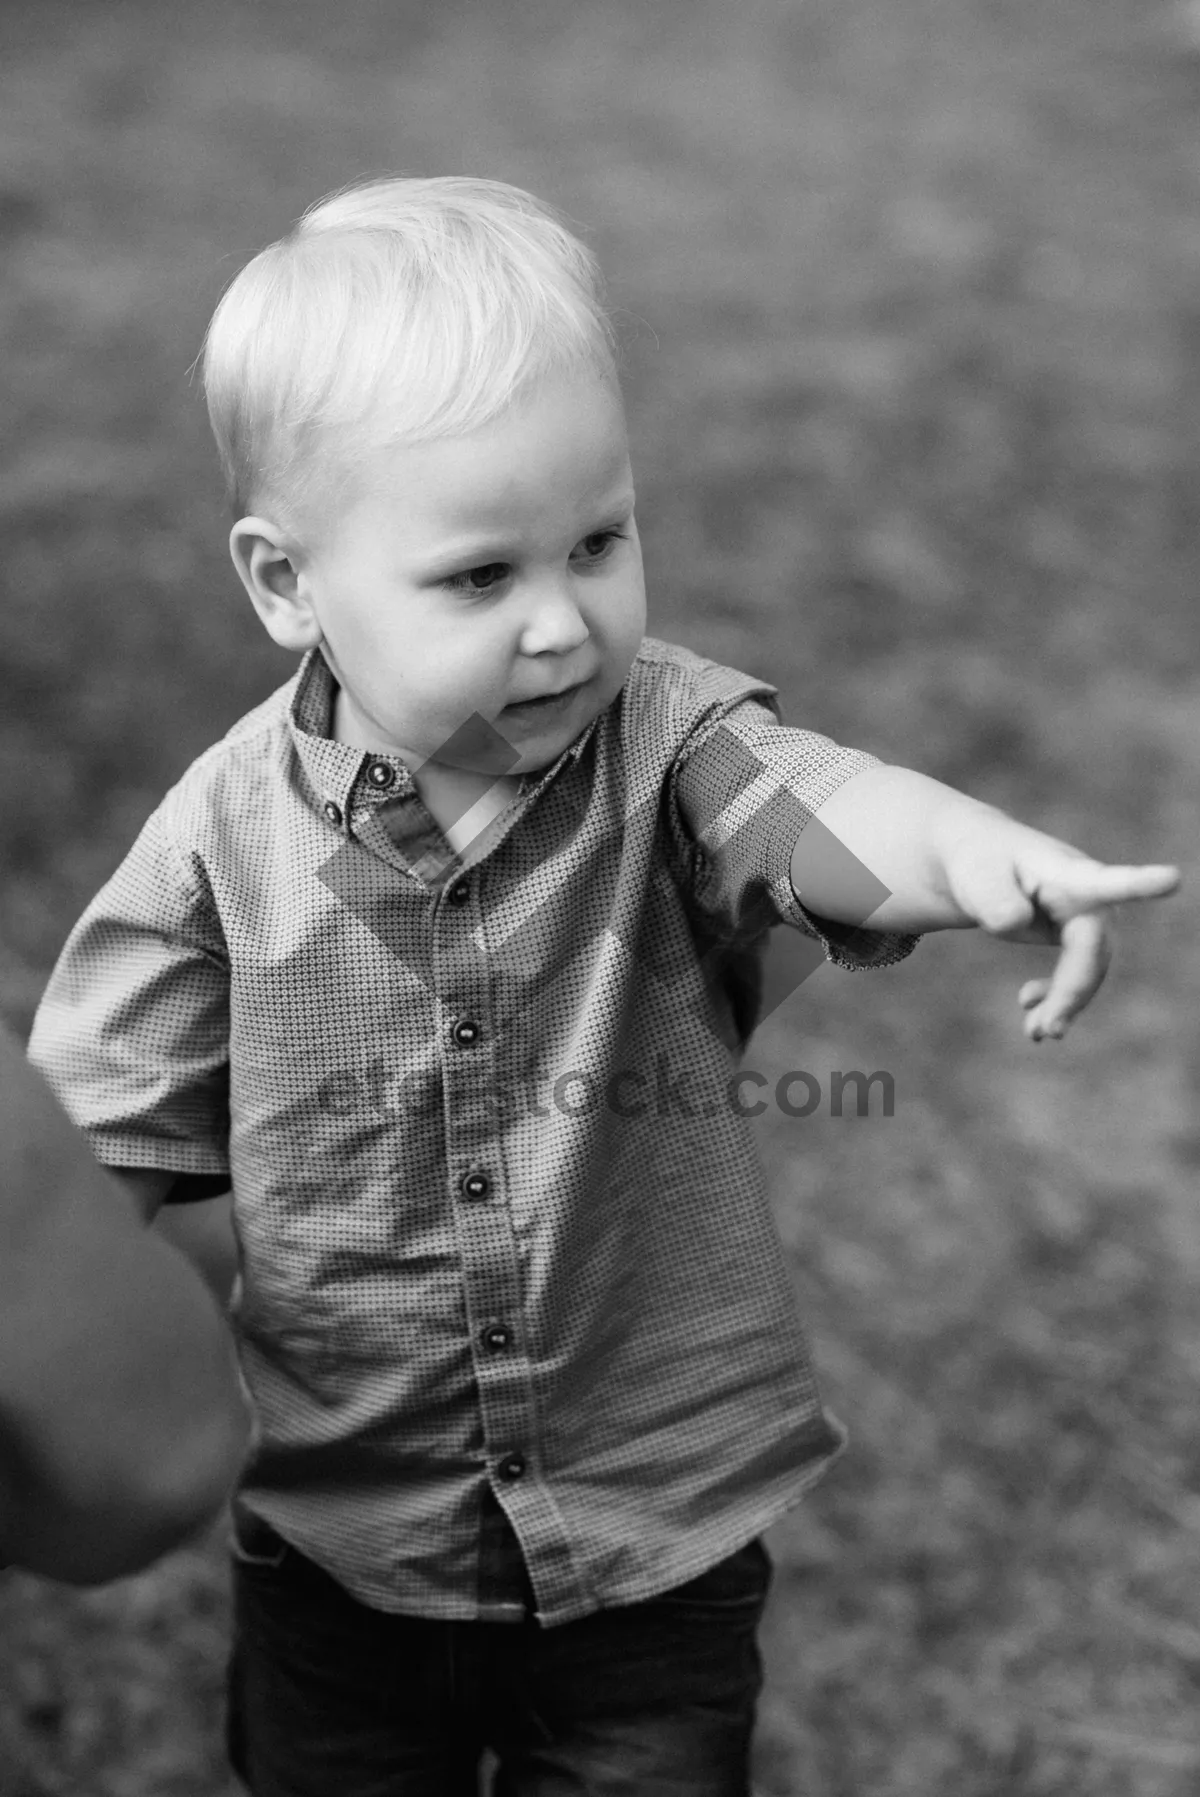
x=330 y=1698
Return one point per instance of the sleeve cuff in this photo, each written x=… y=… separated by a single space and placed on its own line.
x=852 y=946
x=189 y=1188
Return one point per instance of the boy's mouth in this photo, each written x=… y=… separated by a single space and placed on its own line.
x=547 y=705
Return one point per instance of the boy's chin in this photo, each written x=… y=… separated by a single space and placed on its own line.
x=539 y=749
x=539 y=759
x=545 y=727
x=518 y=740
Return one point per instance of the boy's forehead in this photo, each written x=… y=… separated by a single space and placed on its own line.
x=536 y=461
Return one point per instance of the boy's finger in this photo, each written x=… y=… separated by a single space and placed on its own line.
x=1081 y=966
x=1094 y=883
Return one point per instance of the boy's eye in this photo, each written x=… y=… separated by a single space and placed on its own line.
x=478 y=580
x=596 y=546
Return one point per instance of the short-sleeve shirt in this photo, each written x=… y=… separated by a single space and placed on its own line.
x=500 y=1216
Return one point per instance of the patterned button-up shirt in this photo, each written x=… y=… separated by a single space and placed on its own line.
x=501 y=1222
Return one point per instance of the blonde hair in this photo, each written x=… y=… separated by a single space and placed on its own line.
x=395 y=310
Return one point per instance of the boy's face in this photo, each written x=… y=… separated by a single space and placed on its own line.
x=472 y=574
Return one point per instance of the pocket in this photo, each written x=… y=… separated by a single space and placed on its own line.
x=253 y=1542
x=738 y=1583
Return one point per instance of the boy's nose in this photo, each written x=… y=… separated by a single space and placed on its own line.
x=553 y=619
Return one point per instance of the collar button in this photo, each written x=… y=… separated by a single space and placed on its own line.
x=333 y=813
x=381 y=775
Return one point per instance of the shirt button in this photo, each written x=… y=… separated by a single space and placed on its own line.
x=460 y=892
x=475 y=1185
x=497 y=1337
x=333 y=812
x=511 y=1467
x=465 y=1033
x=381 y=775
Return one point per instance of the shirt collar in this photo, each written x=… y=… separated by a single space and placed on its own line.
x=341 y=776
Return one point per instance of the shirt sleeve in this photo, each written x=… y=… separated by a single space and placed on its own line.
x=133 y=1029
x=743 y=788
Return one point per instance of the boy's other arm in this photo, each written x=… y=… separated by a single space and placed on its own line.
x=950 y=862
x=147 y=1186
x=122 y=1420
x=202 y=1231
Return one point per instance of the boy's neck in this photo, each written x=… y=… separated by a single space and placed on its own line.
x=460 y=802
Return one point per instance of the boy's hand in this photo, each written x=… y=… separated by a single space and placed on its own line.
x=949 y=862
x=1023 y=886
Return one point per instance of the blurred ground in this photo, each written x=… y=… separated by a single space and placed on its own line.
x=909 y=297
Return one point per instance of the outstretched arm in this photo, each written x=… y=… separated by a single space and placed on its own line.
x=949 y=862
x=122 y=1419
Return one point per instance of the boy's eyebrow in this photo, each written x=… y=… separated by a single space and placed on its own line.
x=462 y=552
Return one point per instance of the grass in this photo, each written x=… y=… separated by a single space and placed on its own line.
x=907 y=289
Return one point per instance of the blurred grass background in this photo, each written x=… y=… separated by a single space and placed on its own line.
x=908 y=290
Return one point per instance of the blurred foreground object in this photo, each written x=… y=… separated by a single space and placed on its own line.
x=122 y=1419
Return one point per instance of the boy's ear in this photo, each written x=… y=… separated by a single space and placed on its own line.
x=266 y=563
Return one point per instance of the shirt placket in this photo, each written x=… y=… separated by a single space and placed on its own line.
x=388 y=820
x=475 y=1165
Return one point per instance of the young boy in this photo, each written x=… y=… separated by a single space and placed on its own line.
x=443 y=959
